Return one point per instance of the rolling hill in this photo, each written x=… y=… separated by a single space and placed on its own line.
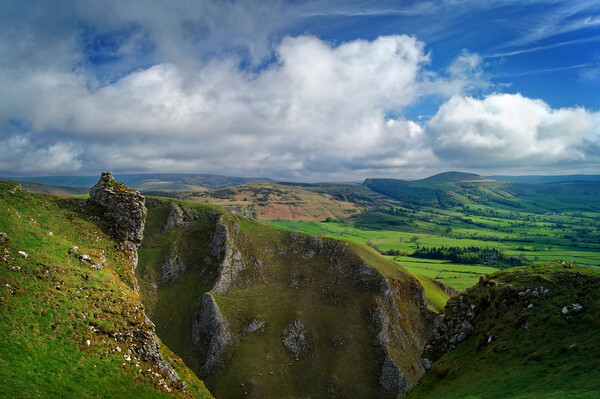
x=147 y=182
x=71 y=321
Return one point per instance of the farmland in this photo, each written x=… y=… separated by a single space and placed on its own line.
x=534 y=236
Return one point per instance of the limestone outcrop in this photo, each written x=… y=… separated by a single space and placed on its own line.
x=211 y=335
x=178 y=216
x=121 y=206
x=125 y=211
x=173 y=266
x=223 y=248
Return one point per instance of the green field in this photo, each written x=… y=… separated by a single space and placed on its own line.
x=537 y=240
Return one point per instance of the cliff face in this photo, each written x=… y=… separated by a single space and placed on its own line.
x=266 y=313
x=125 y=212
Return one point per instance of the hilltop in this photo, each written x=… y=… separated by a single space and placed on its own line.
x=148 y=182
x=71 y=320
x=527 y=332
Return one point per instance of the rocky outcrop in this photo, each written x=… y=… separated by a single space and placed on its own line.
x=178 y=216
x=294 y=337
x=463 y=316
x=149 y=351
x=211 y=335
x=124 y=209
x=173 y=266
x=230 y=264
x=392 y=380
x=398 y=338
x=122 y=206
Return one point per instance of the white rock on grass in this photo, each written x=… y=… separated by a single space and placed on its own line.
x=23 y=254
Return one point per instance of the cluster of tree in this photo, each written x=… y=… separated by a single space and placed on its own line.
x=470 y=256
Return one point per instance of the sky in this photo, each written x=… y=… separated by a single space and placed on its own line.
x=309 y=91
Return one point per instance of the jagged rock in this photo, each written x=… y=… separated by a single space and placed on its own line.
x=392 y=380
x=125 y=209
x=427 y=364
x=178 y=216
x=565 y=310
x=211 y=334
x=295 y=338
x=173 y=266
x=122 y=206
x=223 y=246
x=255 y=325
x=23 y=254
x=149 y=351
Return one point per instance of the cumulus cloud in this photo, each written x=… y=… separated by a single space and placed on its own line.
x=21 y=153
x=317 y=108
x=207 y=86
x=510 y=130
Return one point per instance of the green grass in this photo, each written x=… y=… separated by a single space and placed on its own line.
x=557 y=356
x=51 y=304
x=318 y=288
x=530 y=232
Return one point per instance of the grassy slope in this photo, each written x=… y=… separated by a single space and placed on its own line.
x=260 y=366
x=558 y=356
x=49 y=302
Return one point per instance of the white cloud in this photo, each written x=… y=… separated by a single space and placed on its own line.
x=319 y=107
x=509 y=130
x=21 y=153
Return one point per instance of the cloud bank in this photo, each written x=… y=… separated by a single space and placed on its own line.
x=165 y=90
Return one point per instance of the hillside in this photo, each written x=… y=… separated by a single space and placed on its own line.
x=522 y=333
x=537 y=179
x=71 y=321
x=261 y=312
x=285 y=201
x=148 y=182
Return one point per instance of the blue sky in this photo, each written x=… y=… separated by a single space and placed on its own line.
x=313 y=90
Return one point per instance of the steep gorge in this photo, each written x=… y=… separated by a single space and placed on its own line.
x=260 y=312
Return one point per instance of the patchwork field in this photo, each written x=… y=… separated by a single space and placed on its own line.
x=543 y=244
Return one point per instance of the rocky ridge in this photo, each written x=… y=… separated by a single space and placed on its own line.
x=124 y=209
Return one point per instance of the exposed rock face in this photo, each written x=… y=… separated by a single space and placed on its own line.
x=149 y=351
x=211 y=335
x=462 y=316
x=393 y=381
x=178 y=216
x=173 y=267
x=231 y=263
x=255 y=325
x=397 y=338
x=294 y=337
x=122 y=206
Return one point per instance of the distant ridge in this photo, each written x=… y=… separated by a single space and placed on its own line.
x=148 y=182
x=538 y=179
x=453 y=177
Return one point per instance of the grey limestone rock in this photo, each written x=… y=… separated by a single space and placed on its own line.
x=255 y=325
x=294 y=337
x=173 y=266
x=211 y=334
x=392 y=380
x=150 y=352
x=223 y=246
x=122 y=206
x=178 y=216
